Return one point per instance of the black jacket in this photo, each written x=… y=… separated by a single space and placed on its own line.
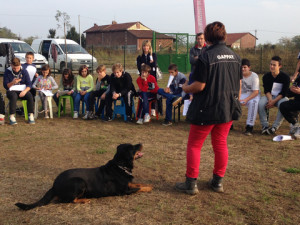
x=220 y=69
x=146 y=59
x=121 y=85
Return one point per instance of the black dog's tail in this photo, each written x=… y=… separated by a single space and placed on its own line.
x=43 y=201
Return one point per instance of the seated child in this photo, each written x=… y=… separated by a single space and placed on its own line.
x=85 y=85
x=44 y=82
x=120 y=86
x=2 y=110
x=31 y=69
x=66 y=86
x=148 y=89
x=102 y=83
x=250 y=95
x=173 y=93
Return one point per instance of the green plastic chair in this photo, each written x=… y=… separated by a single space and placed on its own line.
x=64 y=98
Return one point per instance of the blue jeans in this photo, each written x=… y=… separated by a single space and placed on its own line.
x=79 y=97
x=144 y=106
x=169 y=102
x=262 y=111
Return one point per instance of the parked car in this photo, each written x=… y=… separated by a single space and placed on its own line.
x=71 y=52
x=20 y=48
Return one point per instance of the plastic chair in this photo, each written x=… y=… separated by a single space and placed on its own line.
x=36 y=106
x=151 y=101
x=24 y=104
x=97 y=104
x=121 y=110
x=64 y=98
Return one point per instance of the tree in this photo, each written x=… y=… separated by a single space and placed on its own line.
x=73 y=35
x=296 y=41
x=52 y=33
x=7 y=33
x=30 y=39
x=63 y=17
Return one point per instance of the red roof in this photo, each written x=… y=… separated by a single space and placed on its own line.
x=148 y=34
x=111 y=27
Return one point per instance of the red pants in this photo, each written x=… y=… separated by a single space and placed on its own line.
x=197 y=136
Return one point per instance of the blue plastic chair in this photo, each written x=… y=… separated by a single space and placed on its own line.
x=119 y=109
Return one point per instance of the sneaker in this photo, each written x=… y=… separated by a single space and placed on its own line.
x=107 y=119
x=216 y=187
x=216 y=184
x=189 y=186
x=249 y=130
x=265 y=130
x=12 y=120
x=153 y=112
x=31 y=119
x=176 y=100
x=46 y=115
x=147 y=118
x=87 y=114
x=129 y=119
x=272 y=130
x=75 y=115
x=91 y=116
x=140 y=121
x=296 y=135
x=167 y=123
x=293 y=128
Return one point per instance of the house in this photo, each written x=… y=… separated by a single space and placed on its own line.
x=241 y=40
x=117 y=35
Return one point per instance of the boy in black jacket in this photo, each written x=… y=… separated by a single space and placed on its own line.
x=120 y=86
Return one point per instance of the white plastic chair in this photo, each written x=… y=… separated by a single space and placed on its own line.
x=36 y=106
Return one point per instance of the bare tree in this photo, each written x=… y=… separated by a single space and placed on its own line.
x=64 y=18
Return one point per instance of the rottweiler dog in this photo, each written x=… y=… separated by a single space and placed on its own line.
x=113 y=178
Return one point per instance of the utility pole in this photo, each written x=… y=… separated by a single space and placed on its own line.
x=79 y=30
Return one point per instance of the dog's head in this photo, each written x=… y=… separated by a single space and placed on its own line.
x=127 y=153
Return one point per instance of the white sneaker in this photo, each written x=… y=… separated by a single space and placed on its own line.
x=12 y=120
x=75 y=115
x=85 y=117
x=153 y=113
x=140 y=121
x=147 y=118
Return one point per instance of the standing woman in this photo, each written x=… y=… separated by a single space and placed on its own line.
x=149 y=58
x=215 y=104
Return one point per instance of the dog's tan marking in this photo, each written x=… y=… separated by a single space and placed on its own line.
x=81 y=200
x=142 y=187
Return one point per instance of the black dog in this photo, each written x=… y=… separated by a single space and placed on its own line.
x=114 y=178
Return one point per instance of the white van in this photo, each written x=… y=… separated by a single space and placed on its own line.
x=76 y=55
x=20 y=49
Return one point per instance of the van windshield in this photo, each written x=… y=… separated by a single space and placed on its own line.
x=73 y=49
x=21 y=47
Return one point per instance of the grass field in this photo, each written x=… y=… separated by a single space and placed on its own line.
x=262 y=183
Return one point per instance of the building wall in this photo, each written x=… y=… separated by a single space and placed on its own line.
x=248 y=41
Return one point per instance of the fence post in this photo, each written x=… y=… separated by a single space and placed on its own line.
x=154 y=41
x=92 y=59
x=261 y=59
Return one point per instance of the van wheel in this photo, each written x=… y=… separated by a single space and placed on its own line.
x=62 y=67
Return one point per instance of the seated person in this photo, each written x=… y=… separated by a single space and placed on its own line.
x=148 y=89
x=102 y=84
x=250 y=95
x=276 y=85
x=173 y=93
x=85 y=85
x=14 y=76
x=290 y=109
x=2 y=110
x=66 y=87
x=120 y=86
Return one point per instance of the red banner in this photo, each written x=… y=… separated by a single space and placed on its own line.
x=199 y=12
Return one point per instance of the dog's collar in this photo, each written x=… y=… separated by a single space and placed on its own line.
x=126 y=170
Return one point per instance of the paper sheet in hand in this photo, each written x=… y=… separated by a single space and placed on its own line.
x=276 y=89
x=186 y=106
x=47 y=92
x=20 y=87
x=170 y=80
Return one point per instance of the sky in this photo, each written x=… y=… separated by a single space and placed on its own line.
x=270 y=20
